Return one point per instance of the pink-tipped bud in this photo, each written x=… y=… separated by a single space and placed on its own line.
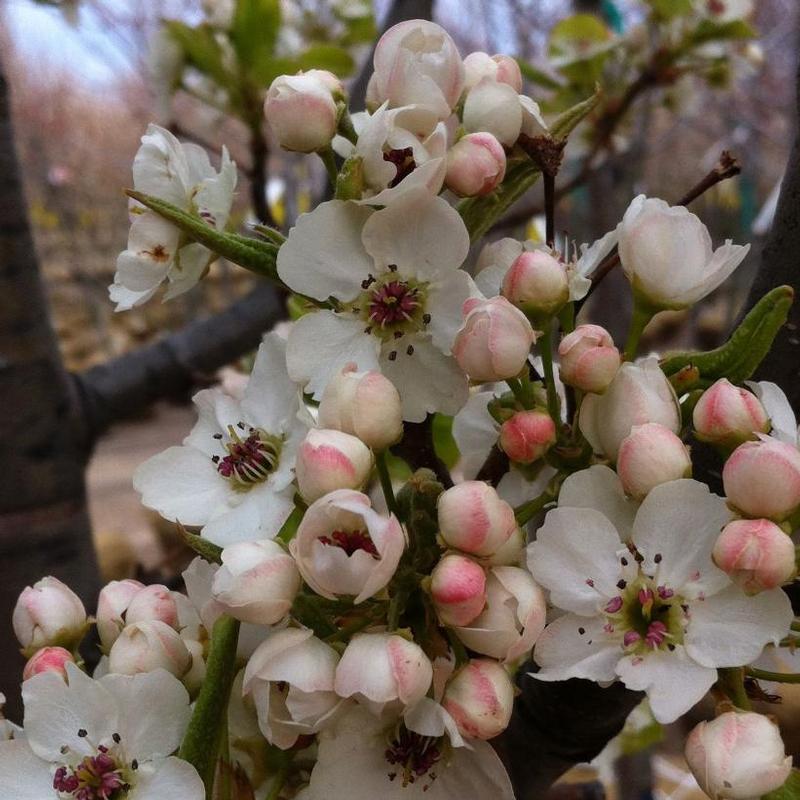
x=328 y=460
x=755 y=553
x=363 y=404
x=480 y=698
x=527 y=436
x=301 y=111
x=458 y=588
x=474 y=518
x=495 y=340
x=154 y=602
x=48 y=659
x=651 y=455
x=257 y=582
x=500 y=68
x=537 y=283
x=147 y=646
x=738 y=755
x=48 y=613
x=762 y=479
x=476 y=165
x=729 y=415
x=588 y=359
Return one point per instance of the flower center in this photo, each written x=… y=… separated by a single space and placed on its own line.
x=414 y=755
x=251 y=459
x=403 y=160
x=98 y=777
x=716 y=7
x=351 y=542
x=392 y=303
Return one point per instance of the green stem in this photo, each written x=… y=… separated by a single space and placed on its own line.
x=326 y=154
x=278 y=782
x=386 y=482
x=641 y=317
x=731 y=681
x=546 y=340
x=795 y=626
x=204 y=735
x=345 y=127
x=527 y=511
x=776 y=677
x=519 y=391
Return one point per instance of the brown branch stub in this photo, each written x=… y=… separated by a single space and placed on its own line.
x=545 y=151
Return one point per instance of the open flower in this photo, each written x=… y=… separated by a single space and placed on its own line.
x=395 y=277
x=92 y=740
x=344 y=547
x=654 y=610
x=182 y=175
x=233 y=473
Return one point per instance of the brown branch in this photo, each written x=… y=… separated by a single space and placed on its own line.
x=416 y=448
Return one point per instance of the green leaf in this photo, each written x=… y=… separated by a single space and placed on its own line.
x=203 y=736
x=360 y=30
x=254 y=254
x=208 y=550
x=789 y=791
x=443 y=442
x=201 y=50
x=537 y=76
x=708 y=31
x=575 y=32
x=327 y=56
x=740 y=356
x=254 y=33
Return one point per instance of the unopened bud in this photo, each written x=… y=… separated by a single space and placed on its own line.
x=480 y=698
x=537 y=283
x=48 y=613
x=651 y=455
x=476 y=165
x=588 y=359
x=328 y=460
x=494 y=107
x=458 y=588
x=527 y=436
x=729 y=415
x=48 y=659
x=500 y=68
x=147 y=646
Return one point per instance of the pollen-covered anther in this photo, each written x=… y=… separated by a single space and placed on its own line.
x=351 y=542
x=250 y=460
x=414 y=754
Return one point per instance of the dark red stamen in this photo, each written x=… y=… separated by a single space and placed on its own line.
x=248 y=461
x=416 y=754
x=392 y=303
x=351 y=542
x=403 y=161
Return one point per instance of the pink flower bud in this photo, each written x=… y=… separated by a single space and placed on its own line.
x=588 y=358
x=756 y=554
x=381 y=668
x=257 y=582
x=651 y=455
x=153 y=602
x=527 y=436
x=476 y=165
x=363 y=404
x=147 y=646
x=473 y=518
x=738 y=755
x=48 y=659
x=729 y=415
x=480 y=698
x=328 y=460
x=493 y=107
x=301 y=112
x=458 y=588
x=537 y=283
x=762 y=479
x=500 y=68
x=48 y=613
x=495 y=340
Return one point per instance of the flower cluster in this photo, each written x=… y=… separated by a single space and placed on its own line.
x=360 y=612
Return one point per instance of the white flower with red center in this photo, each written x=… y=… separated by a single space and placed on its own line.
x=394 y=280
x=645 y=603
x=157 y=251
x=363 y=758
x=100 y=740
x=233 y=474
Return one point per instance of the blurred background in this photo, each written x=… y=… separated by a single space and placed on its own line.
x=86 y=78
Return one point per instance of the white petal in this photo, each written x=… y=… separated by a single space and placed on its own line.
x=56 y=710
x=421 y=233
x=154 y=712
x=592 y=255
x=780 y=412
x=428 y=176
x=190 y=265
x=724 y=261
x=678 y=525
x=575 y=556
x=160 y=167
x=475 y=432
x=23 y=775
x=562 y=651
x=731 y=629
x=171 y=777
x=599 y=487
x=516 y=488
x=673 y=682
x=215 y=195
x=323 y=255
x=429 y=718
x=321 y=343
x=444 y=303
x=216 y=413
x=428 y=381
x=490 y=279
x=259 y=516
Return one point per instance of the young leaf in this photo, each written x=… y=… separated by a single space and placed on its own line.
x=327 y=56
x=201 y=49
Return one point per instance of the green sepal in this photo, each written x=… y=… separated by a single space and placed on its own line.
x=417 y=504
x=201 y=743
x=350 y=180
x=253 y=254
x=789 y=791
x=740 y=356
x=271 y=234
x=289 y=528
x=208 y=550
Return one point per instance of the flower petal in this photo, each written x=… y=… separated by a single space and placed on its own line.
x=445 y=304
x=23 y=775
x=780 y=412
x=475 y=432
x=171 y=777
x=259 y=516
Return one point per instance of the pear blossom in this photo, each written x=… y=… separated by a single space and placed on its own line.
x=48 y=613
x=648 y=607
x=182 y=175
x=147 y=646
x=640 y=393
x=344 y=547
x=363 y=757
x=500 y=68
x=651 y=455
x=48 y=659
x=537 y=283
x=458 y=589
x=494 y=107
x=527 y=436
x=328 y=460
x=728 y=415
x=476 y=165
x=398 y=294
x=233 y=473
x=588 y=358
x=667 y=256
x=91 y=739
x=112 y=604
x=291 y=678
